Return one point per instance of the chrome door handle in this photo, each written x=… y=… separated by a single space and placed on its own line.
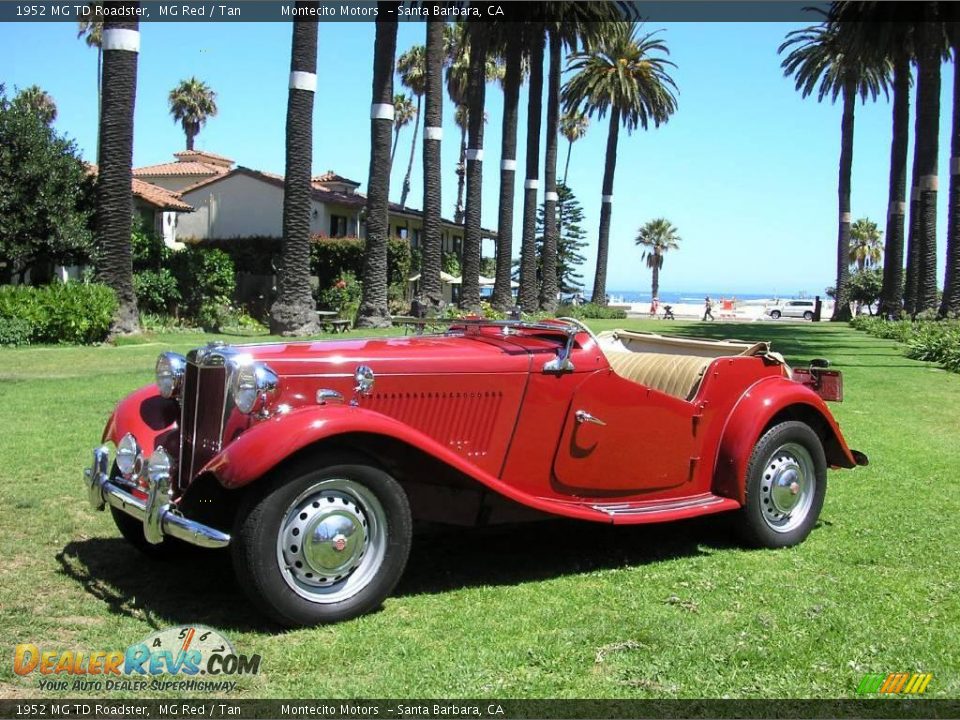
x=582 y=416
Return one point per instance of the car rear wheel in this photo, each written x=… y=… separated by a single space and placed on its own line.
x=323 y=545
x=775 y=314
x=807 y=315
x=786 y=485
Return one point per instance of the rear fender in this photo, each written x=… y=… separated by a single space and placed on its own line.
x=768 y=402
x=264 y=446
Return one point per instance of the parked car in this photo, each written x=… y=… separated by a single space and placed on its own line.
x=792 y=309
x=310 y=460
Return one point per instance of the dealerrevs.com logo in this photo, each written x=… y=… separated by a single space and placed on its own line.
x=179 y=658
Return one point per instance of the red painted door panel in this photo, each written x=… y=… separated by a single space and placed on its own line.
x=645 y=446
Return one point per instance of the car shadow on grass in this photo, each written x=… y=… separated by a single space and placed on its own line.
x=446 y=558
x=198 y=586
x=195 y=586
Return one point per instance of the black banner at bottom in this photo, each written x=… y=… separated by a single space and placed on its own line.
x=487 y=709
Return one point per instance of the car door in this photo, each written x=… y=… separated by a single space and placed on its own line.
x=621 y=437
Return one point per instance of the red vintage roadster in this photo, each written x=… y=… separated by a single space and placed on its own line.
x=310 y=460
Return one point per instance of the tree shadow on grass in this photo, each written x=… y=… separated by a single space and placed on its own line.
x=199 y=586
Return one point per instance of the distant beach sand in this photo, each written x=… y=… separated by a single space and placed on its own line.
x=753 y=310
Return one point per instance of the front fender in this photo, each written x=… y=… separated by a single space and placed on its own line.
x=146 y=415
x=265 y=445
x=759 y=405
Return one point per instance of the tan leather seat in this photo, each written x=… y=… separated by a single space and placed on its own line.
x=677 y=375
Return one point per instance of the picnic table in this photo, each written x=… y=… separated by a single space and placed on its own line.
x=329 y=320
x=411 y=323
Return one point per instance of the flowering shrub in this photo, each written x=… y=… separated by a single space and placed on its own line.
x=343 y=296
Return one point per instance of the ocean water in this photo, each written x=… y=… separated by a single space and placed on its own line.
x=696 y=296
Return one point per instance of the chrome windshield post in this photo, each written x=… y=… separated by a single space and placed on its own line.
x=562 y=362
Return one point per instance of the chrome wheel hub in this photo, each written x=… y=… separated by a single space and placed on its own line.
x=787 y=487
x=332 y=541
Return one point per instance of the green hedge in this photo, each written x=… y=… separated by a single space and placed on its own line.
x=78 y=313
x=590 y=311
x=933 y=340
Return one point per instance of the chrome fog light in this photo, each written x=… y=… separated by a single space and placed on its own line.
x=128 y=452
x=169 y=373
x=159 y=465
x=252 y=385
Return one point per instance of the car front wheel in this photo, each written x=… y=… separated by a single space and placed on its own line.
x=786 y=485
x=326 y=545
x=775 y=314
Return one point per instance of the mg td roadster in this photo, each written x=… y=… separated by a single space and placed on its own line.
x=311 y=460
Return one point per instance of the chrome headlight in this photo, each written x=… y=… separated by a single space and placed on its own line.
x=170 y=369
x=127 y=454
x=252 y=386
x=159 y=465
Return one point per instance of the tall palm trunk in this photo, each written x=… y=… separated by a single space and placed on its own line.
x=655 y=277
x=121 y=46
x=432 y=247
x=99 y=93
x=476 y=99
x=374 y=311
x=606 y=207
x=462 y=163
x=913 y=231
x=528 y=243
x=396 y=141
x=548 y=258
x=293 y=311
x=566 y=165
x=928 y=114
x=405 y=191
x=841 y=308
x=502 y=295
x=950 y=306
x=891 y=294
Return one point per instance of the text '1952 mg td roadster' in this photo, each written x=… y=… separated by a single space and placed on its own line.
x=311 y=459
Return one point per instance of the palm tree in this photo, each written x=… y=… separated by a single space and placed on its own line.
x=39 y=102
x=886 y=31
x=548 y=249
x=627 y=76
x=479 y=38
x=513 y=77
x=121 y=46
x=192 y=103
x=528 y=295
x=865 y=246
x=826 y=55
x=292 y=312
x=403 y=114
x=573 y=126
x=457 y=46
x=374 y=311
x=431 y=252
x=411 y=67
x=930 y=48
x=950 y=305
x=656 y=237
x=92 y=32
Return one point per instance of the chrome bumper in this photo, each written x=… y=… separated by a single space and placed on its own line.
x=160 y=517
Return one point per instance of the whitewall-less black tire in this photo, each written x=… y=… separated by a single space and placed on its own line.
x=785 y=487
x=325 y=541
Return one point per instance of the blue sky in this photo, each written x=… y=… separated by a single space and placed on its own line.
x=746 y=170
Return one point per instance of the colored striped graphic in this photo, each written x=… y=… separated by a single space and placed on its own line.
x=894 y=683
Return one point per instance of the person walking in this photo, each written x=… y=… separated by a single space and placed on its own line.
x=708 y=308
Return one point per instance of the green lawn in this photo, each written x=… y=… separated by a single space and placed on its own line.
x=560 y=609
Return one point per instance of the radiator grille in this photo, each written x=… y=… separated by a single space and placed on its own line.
x=201 y=423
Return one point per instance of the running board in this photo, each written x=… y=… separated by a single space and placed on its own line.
x=629 y=513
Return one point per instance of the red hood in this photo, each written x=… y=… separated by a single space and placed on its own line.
x=407 y=356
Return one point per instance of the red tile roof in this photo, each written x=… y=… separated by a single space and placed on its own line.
x=201 y=155
x=331 y=176
x=159 y=197
x=180 y=168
